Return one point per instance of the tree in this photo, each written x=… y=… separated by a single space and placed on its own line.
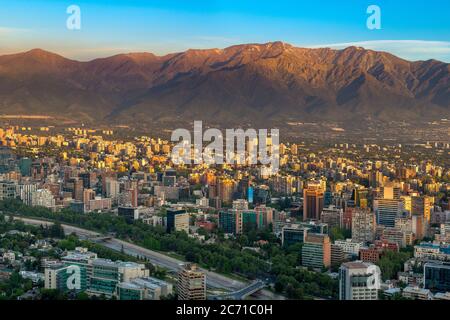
x=57 y=231
x=391 y=263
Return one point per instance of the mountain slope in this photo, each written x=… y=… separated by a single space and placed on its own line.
x=255 y=83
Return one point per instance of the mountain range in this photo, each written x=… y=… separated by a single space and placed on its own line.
x=250 y=83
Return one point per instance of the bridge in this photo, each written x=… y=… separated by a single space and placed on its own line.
x=98 y=238
x=241 y=293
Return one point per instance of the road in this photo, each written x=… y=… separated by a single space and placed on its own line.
x=213 y=279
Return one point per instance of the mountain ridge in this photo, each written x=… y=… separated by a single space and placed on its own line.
x=255 y=83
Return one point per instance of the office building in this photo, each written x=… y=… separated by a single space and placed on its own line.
x=358 y=281
x=421 y=206
x=43 y=198
x=437 y=276
x=313 y=201
x=225 y=190
x=387 y=210
x=240 y=204
x=227 y=221
x=107 y=274
x=432 y=251
x=129 y=213
x=191 y=283
x=416 y=293
x=146 y=288
x=177 y=220
x=390 y=192
x=264 y=216
x=112 y=188
x=349 y=246
x=363 y=225
x=25 y=191
x=56 y=277
x=333 y=217
x=337 y=255
x=316 y=251
x=292 y=234
x=25 y=166
x=7 y=190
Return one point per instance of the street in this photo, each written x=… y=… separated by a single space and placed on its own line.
x=213 y=279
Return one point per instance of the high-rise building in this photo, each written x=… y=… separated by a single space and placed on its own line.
x=89 y=179
x=390 y=192
x=264 y=215
x=363 y=225
x=316 y=251
x=250 y=194
x=387 y=210
x=77 y=189
x=240 y=204
x=129 y=213
x=43 y=198
x=396 y=235
x=225 y=190
x=358 y=281
x=227 y=221
x=57 y=275
x=437 y=276
x=129 y=197
x=107 y=274
x=292 y=234
x=376 y=179
x=337 y=255
x=191 y=283
x=134 y=196
x=7 y=190
x=359 y=196
x=112 y=188
x=177 y=220
x=407 y=202
x=25 y=166
x=25 y=190
x=169 y=180
x=88 y=194
x=313 y=201
x=146 y=288
x=247 y=220
x=421 y=206
x=238 y=221
x=333 y=217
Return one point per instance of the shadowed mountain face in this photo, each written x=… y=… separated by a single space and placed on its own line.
x=253 y=83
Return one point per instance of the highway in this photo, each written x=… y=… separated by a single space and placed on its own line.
x=213 y=279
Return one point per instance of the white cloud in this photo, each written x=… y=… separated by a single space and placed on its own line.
x=408 y=49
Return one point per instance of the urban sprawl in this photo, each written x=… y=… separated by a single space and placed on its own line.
x=90 y=214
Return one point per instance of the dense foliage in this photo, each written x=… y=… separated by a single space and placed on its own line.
x=224 y=256
x=392 y=262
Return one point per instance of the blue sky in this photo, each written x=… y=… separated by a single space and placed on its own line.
x=414 y=29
